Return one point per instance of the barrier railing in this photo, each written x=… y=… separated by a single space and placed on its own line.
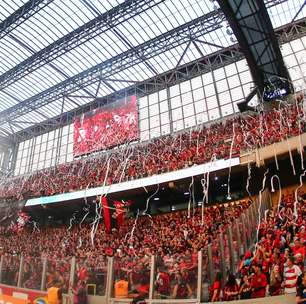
x=163 y=276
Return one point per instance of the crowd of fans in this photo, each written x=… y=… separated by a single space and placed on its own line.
x=277 y=264
x=167 y=153
x=174 y=238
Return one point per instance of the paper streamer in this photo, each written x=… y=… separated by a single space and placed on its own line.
x=259 y=205
x=295 y=212
x=275 y=176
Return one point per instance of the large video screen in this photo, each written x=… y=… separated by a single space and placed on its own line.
x=101 y=129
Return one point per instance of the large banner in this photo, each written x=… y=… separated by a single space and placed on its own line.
x=112 y=125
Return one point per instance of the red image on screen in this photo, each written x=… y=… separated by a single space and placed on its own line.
x=107 y=127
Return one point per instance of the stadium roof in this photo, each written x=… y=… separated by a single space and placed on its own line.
x=49 y=47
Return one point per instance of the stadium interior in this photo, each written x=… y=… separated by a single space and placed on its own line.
x=152 y=151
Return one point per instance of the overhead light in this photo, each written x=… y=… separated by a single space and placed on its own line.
x=228 y=197
x=200 y=203
x=186 y=193
x=49 y=217
x=156 y=198
x=172 y=208
x=216 y=178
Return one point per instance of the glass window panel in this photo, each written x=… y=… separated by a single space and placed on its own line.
x=154 y=121
x=144 y=124
x=178 y=125
x=40 y=165
x=165 y=129
x=35 y=158
x=234 y=81
x=62 y=159
x=219 y=74
x=230 y=69
x=45 y=137
x=162 y=94
x=153 y=98
x=26 y=144
x=154 y=110
x=65 y=130
x=297 y=45
x=207 y=78
x=222 y=85
x=64 y=140
x=164 y=118
x=177 y=114
x=50 y=144
x=187 y=98
x=188 y=110
x=143 y=102
x=237 y=93
x=185 y=86
x=144 y=135
x=196 y=82
x=21 y=145
x=38 y=140
x=51 y=135
x=286 y=49
x=23 y=162
x=227 y=109
x=70 y=137
x=47 y=163
x=213 y=114
x=36 y=148
x=19 y=154
x=201 y=118
x=164 y=106
x=200 y=106
x=190 y=121
x=22 y=170
x=294 y=73
x=25 y=153
x=209 y=90
x=143 y=113
x=69 y=148
x=212 y=102
x=245 y=77
x=247 y=88
x=175 y=102
x=301 y=57
x=174 y=90
x=198 y=94
x=43 y=147
x=290 y=60
x=69 y=157
x=224 y=98
x=242 y=65
x=155 y=132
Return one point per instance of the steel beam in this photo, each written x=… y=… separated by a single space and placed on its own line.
x=104 y=22
x=200 y=66
x=165 y=42
x=22 y=14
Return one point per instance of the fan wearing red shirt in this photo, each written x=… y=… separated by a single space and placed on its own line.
x=215 y=289
x=163 y=283
x=258 y=283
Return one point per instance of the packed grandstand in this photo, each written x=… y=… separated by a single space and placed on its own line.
x=152 y=151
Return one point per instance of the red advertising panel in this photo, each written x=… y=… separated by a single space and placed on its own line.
x=112 y=125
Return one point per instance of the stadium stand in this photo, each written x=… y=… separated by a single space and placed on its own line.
x=152 y=151
x=168 y=153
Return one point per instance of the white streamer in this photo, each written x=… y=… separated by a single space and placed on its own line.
x=280 y=189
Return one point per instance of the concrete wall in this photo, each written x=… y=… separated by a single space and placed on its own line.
x=260 y=155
